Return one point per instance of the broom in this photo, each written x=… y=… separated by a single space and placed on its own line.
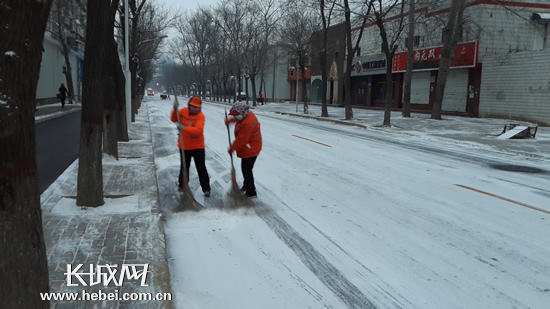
x=187 y=201
x=236 y=198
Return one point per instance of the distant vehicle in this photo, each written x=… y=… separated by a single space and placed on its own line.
x=163 y=95
x=241 y=96
x=150 y=92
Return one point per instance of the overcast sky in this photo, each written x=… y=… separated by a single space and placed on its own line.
x=190 y=5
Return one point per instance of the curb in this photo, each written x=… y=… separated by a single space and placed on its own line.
x=343 y=122
x=40 y=119
x=165 y=273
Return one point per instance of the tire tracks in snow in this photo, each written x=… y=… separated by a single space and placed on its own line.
x=317 y=263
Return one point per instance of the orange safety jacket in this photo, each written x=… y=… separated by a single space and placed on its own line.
x=193 y=134
x=248 y=137
x=261 y=95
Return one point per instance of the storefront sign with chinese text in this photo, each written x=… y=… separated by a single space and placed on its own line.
x=428 y=58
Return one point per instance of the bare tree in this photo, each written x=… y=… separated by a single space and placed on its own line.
x=114 y=99
x=232 y=15
x=260 y=27
x=64 y=13
x=23 y=263
x=99 y=30
x=134 y=8
x=155 y=19
x=351 y=48
x=451 y=35
x=406 y=110
x=390 y=33
x=326 y=9
x=295 y=37
x=194 y=45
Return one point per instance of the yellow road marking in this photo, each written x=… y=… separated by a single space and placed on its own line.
x=504 y=199
x=311 y=140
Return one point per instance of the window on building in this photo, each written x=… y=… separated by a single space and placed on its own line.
x=417 y=41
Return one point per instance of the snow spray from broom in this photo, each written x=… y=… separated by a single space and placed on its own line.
x=187 y=201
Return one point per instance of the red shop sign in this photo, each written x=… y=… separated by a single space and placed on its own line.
x=428 y=58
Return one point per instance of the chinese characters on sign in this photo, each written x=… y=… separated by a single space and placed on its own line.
x=363 y=66
x=428 y=58
x=105 y=274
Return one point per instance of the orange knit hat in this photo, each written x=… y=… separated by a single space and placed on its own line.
x=195 y=101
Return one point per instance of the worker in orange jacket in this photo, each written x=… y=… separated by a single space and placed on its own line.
x=247 y=144
x=261 y=100
x=192 y=132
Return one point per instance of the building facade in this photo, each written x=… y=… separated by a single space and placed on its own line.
x=66 y=23
x=273 y=78
x=500 y=66
x=51 y=70
x=336 y=53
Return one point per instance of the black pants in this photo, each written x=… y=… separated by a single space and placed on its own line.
x=247 y=164
x=63 y=101
x=198 y=156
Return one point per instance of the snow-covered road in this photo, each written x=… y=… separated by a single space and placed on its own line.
x=355 y=218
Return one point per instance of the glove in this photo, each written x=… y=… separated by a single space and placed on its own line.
x=229 y=120
x=180 y=127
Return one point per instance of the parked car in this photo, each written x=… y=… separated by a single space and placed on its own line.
x=241 y=96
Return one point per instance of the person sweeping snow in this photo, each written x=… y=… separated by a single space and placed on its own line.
x=247 y=143
x=191 y=128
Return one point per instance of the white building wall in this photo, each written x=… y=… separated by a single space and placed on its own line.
x=500 y=29
x=51 y=69
x=277 y=87
x=505 y=30
x=516 y=86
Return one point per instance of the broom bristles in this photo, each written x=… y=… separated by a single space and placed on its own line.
x=236 y=197
x=187 y=201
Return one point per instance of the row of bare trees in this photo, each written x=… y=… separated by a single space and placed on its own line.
x=238 y=39
x=23 y=263
x=394 y=21
x=232 y=44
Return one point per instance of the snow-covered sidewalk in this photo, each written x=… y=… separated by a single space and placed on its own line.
x=128 y=229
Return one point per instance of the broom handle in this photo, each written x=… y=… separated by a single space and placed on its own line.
x=229 y=139
x=181 y=143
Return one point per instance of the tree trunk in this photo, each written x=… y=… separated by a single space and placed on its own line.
x=388 y=92
x=90 y=173
x=303 y=91
x=112 y=101
x=450 y=39
x=253 y=84
x=406 y=111
x=349 y=61
x=133 y=64
x=324 y=108
x=23 y=262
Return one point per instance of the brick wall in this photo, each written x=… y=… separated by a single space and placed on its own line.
x=516 y=86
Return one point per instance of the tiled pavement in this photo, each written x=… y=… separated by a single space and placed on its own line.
x=135 y=237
